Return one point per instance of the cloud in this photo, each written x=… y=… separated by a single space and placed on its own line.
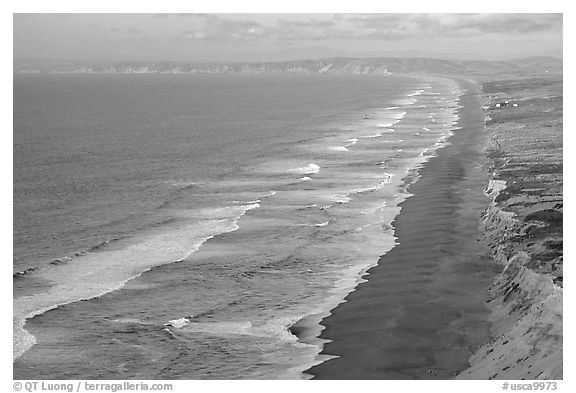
x=519 y=23
x=311 y=29
x=389 y=27
x=450 y=25
x=215 y=28
x=132 y=30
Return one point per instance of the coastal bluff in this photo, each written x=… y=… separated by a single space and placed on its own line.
x=522 y=230
x=475 y=69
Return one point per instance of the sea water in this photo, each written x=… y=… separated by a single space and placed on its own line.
x=178 y=226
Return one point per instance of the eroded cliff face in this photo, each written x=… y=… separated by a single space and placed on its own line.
x=477 y=69
x=522 y=230
x=526 y=310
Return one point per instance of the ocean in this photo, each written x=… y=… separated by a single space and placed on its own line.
x=201 y=226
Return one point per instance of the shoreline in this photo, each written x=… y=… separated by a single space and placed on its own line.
x=452 y=287
x=522 y=231
x=424 y=303
x=373 y=257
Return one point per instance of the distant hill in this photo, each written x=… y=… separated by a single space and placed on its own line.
x=338 y=65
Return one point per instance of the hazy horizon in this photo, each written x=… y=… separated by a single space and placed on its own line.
x=281 y=37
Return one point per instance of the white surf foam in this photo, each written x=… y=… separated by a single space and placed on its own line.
x=377 y=135
x=309 y=169
x=405 y=101
x=178 y=323
x=387 y=125
x=95 y=274
x=416 y=93
x=386 y=179
x=399 y=115
x=341 y=199
x=277 y=328
x=339 y=148
x=221 y=328
x=247 y=202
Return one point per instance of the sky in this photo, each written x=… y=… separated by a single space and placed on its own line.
x=278 y=37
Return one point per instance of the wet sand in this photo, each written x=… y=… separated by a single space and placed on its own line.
x=422 y=311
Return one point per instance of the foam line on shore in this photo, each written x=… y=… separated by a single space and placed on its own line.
x=95 y=274
x=365 y=304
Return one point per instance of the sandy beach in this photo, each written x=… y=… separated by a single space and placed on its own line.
x=474 y=289
x=422 y=311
